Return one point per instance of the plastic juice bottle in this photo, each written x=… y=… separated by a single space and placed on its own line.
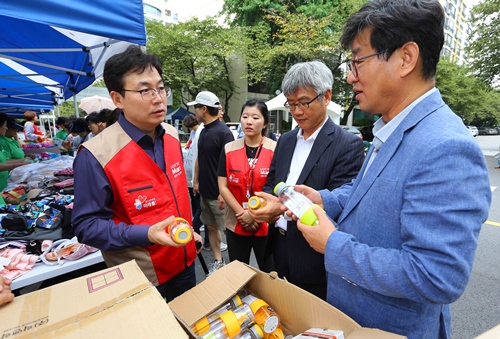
x=253 y=332
x=230 y=323
x=265 y=317
x=180 y=230
x=256 y=202
x=297 y=203
x=202 y=326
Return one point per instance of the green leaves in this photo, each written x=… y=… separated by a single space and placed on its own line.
x=196 y=56
x=469 y=97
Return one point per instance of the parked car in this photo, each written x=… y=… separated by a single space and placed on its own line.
x=233 y=126
x=473 y=130
x=367 y=132
x=487 y=131
x=353 y=130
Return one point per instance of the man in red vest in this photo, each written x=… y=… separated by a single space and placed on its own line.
x=130 y=180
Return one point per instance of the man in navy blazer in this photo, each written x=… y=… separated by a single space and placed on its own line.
x=404 y=242
x=319 y=154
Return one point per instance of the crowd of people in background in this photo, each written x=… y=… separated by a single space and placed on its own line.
x=68 y=135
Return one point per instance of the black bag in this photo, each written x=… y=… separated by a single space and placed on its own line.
x=34 y=233
x=16 y=222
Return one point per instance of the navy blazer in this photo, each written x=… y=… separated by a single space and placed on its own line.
x=335 y=159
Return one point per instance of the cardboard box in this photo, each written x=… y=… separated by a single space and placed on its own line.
x=493 y=333
x=117 y=302
x=298 y=310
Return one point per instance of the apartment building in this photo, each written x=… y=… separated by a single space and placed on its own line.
x=457 y=29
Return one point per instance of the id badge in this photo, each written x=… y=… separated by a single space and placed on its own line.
x=245 y=205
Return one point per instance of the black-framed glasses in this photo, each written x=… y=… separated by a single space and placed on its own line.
x=301 y=105
x=353 y=63
x=150 y=93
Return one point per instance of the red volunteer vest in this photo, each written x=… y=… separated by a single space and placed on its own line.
x=144 y=195
x=239 y=176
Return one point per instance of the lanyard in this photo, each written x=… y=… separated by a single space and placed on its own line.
x=249 y=171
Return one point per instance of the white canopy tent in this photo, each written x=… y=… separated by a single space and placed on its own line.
x=333 y=110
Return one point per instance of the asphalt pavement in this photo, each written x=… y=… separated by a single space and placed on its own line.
x=478 y=309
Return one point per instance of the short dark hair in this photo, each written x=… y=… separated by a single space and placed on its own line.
x=93 y=118
x=190 y=121
x=104 y=114
x=394 y=23
x=213 y=111
x=3 y=118
x=260 y=104
x=79 y=126
x=63 y=121
x=113 y=117
x=133 y=59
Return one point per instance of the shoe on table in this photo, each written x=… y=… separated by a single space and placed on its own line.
x=215 y=266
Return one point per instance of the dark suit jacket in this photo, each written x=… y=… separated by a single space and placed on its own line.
x=335 y=159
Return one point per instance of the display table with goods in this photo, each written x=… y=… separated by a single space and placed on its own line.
x=36 y=238
x=41 y=272
x=37 y=148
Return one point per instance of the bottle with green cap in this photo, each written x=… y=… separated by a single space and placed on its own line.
x=297 y=203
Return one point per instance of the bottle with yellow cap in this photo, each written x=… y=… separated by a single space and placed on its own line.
x=253 y=332
x=203 y=326
x=230 y=323
x=180 y=231
x=256 y=202
x=265 y=317
x=297 y=203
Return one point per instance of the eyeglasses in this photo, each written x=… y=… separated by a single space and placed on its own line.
x=150 y=93
x=301 y=105
x=353 y=64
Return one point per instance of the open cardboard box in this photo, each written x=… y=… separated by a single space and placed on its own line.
x=298 y=310
x=493 y=333
x=118 y=302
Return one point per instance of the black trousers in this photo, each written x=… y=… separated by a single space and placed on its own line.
x=239 y=247
x=179 y=284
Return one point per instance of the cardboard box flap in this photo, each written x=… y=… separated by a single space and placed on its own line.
x=218 y=288
x=85 y=302
x=314 y=312
x=372 y=333
x=493 y=333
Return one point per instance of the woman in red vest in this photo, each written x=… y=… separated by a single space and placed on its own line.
x=31 y=131
x=242 y=171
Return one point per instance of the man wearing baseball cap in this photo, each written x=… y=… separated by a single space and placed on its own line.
x=210 y=144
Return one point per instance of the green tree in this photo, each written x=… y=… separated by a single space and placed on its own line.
x=197 y=55
x=484 y=50
x=469 y=97
x=287 y=32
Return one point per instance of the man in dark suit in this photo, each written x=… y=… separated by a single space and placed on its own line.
x=318 y=154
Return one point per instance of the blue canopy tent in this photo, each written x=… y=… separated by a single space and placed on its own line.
x=177 y=114
x=50 y=50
